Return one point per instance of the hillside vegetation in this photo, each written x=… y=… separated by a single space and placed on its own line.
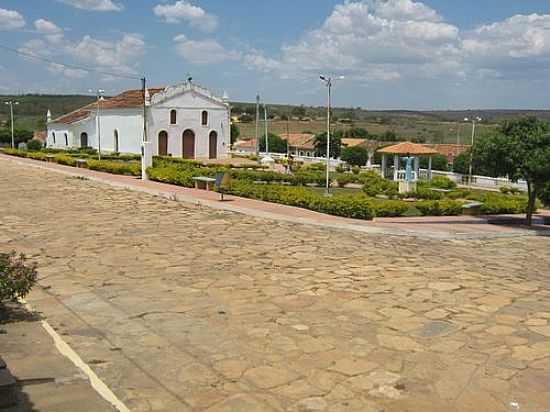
x=431 y=126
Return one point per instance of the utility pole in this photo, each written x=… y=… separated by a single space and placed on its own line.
x=99 y=95
x=144 y=87
x=257 y=125
x=266 y=134
x=11 y=103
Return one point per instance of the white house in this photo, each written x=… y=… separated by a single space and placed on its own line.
x=185 y=120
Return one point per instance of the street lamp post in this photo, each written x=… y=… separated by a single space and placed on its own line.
x=11 y=103
x=99 y=95
x=266 y=134
x=328 y=83
x=470 y=171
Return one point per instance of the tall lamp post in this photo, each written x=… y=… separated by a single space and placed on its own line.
x=11 y=103
x=99 y=96
x=266 y=134
x=473 y=120
x=328 y=83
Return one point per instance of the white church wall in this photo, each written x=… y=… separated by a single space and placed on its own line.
x=189 y=108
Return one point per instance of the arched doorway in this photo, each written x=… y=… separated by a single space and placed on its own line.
x=116 y=141
x=84 y=140
x=188 y=143
x=163 y=143
x=213 y=145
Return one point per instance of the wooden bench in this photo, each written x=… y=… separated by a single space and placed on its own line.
x=50 y=158
x=80 y=163
x=203 y=182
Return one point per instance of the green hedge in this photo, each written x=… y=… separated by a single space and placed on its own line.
x=347 y=206
x=443 y=182
x=118 y=168
x=439 y=207
x=374 y=185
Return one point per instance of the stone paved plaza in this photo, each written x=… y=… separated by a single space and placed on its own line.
x=180 y=308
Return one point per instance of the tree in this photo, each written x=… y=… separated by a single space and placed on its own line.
x=356 y=133
x=439 y=162
x=520 y=150
x=320 y=142
x=235 y=133
x=388 y=136
x=276 y=143
x=20 y=136
x=246 y=118
x=299 y=112
x=355 y=156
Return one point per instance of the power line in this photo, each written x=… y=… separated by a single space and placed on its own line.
x=68 y=66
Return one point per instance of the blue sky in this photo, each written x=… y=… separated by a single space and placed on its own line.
x=401 y=54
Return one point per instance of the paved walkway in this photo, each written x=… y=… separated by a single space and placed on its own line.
x=183 y=308
x=431 y=227
x=47 y=381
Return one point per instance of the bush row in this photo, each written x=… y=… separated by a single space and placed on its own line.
x=109 y=166
x=347 y=206
x=118 y=168
x=439 y=207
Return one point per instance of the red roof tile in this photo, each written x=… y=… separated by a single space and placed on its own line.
x=127 y=99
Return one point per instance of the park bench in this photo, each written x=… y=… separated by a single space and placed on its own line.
x=50 y=158
x=203 y=182
x=80 y=163
x=472 y=209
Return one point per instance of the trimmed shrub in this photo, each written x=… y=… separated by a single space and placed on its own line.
x=34 y=145
x=14 y=152
x=16 y=277
x=118 y=168
x=439 y=207
x=37 y=156
x=343 y=179
x=358 y=207
x=374 y=185
x=509 y=190
x=65 y=160
x=171 y=175
x=443 y=182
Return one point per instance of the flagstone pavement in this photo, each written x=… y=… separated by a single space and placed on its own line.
x=185 y=308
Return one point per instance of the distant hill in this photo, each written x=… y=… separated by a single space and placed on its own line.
x=31 y=112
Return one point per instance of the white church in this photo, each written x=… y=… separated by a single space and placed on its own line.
x=185 y=121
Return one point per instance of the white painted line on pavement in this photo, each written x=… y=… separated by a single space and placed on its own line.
x=63 y=347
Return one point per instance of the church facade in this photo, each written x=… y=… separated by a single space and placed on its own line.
x=185 y=121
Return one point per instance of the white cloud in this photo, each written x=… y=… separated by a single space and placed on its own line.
x=371 y=40
x=52 y=32
x=11 y=20
x=118 y=55
x=203 y=51
x=95 y=5
x=59 y=69
x=183 y=11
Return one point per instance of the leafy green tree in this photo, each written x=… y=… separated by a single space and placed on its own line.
x=388 y=136
x=235 y=133
x=461 y=163
x=439 y=162
x=355 y=156
x=520 y=150
x=356 y=133
x=276 y=143
x=320 y=142
x=299 y=112
x=20 y=136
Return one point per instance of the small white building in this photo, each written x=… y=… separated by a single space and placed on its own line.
x=185 y=120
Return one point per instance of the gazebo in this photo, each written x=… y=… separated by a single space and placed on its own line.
x=411 y=152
